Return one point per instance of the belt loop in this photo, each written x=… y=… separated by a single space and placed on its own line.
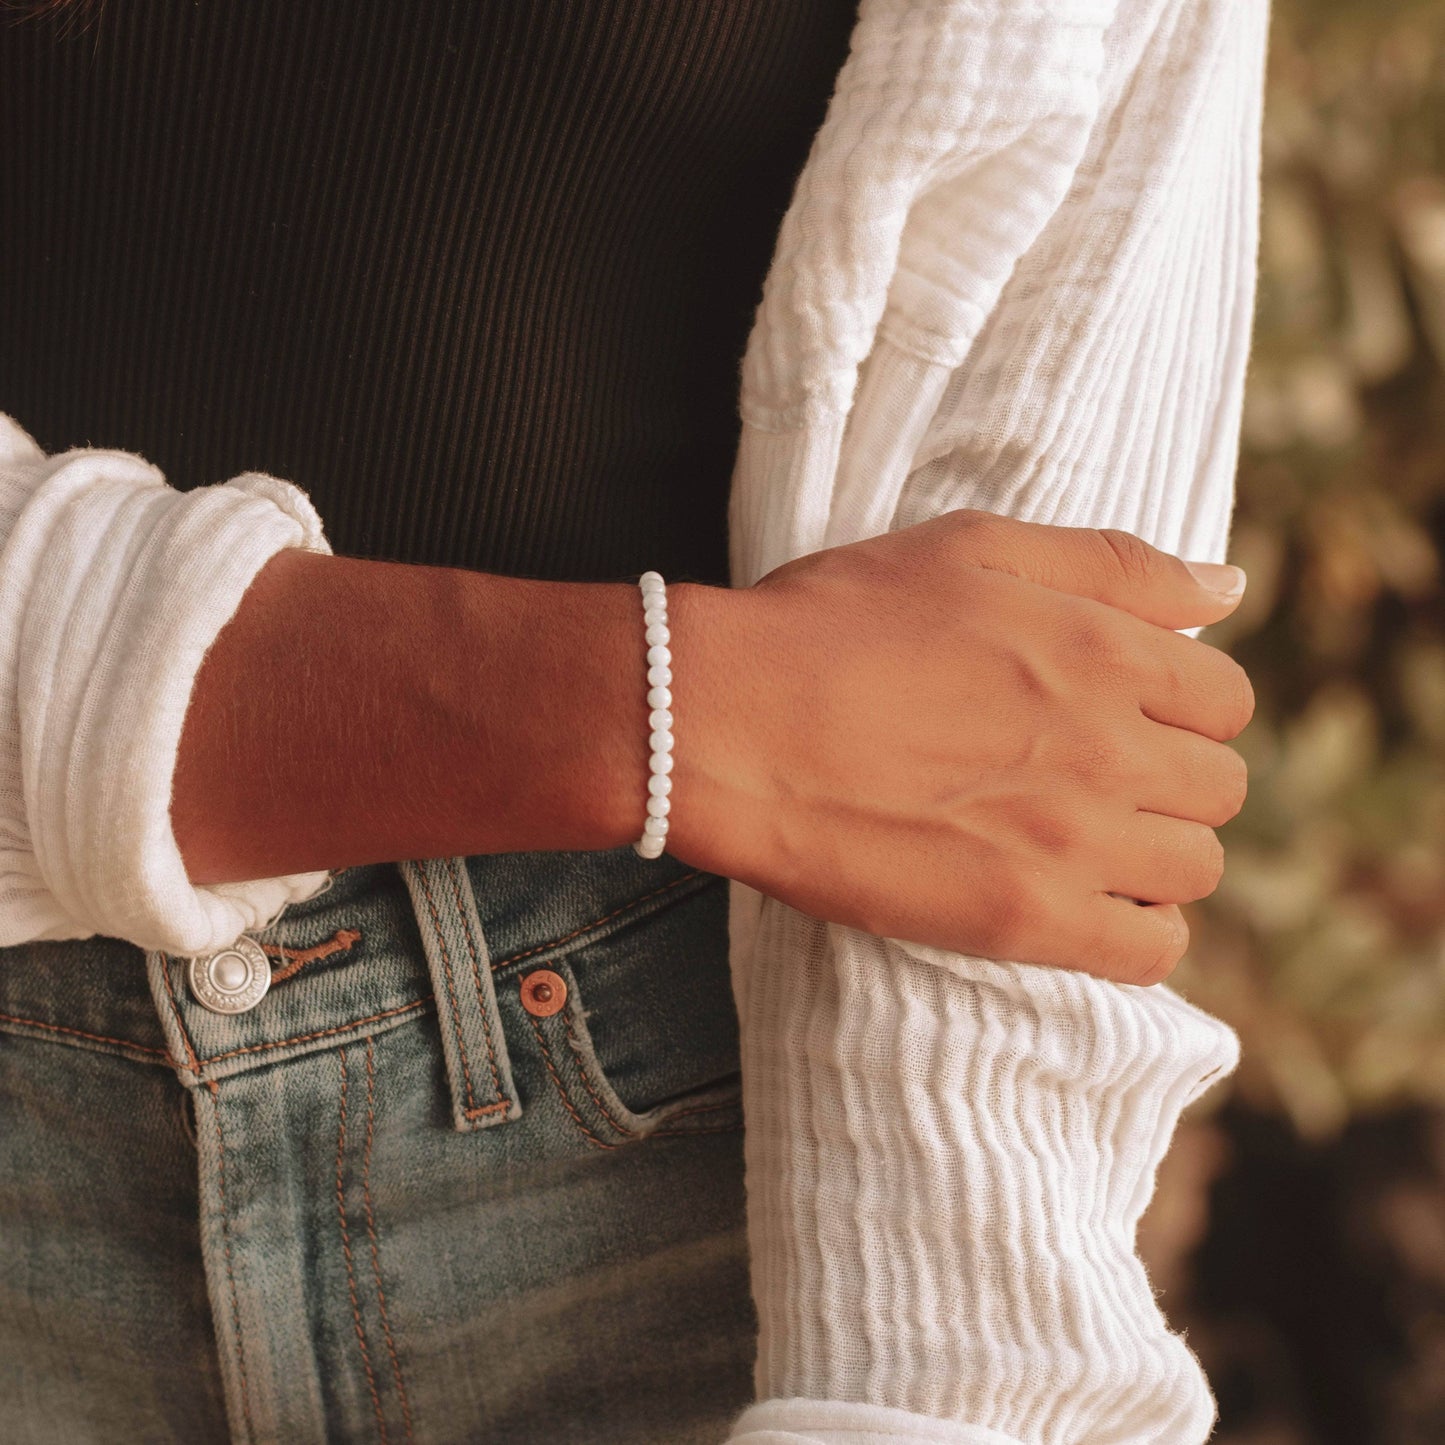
x=478 y=1067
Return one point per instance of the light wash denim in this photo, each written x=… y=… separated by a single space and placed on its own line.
x=389 y=1203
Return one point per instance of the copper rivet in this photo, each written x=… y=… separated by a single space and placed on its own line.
x=543 y=993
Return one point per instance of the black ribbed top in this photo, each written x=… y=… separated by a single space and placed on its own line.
x=476 y=274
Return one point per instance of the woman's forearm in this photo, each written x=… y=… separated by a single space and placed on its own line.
x=354 y=711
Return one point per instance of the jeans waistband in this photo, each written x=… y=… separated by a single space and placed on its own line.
x=381 y=945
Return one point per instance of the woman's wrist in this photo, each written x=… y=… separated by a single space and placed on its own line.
x=577 y=747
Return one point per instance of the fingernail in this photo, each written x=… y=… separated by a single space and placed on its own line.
x=1221 y=577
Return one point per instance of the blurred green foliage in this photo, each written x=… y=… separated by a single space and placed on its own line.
x=1325 y=944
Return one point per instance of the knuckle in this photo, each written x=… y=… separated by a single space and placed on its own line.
x=1133 y=557
x=1176 y=683
x=1195 y=683
x=1090 y=644
x=1155 y=964
x=1234 y=787
x=974 y=535
x=1209 y=864
x=1240 y=698
x=1103 y=762
x=1154 y=971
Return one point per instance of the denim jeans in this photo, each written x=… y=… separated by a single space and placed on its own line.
x=471 y=1170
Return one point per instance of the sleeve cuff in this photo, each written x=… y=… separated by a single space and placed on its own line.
x=114 y=585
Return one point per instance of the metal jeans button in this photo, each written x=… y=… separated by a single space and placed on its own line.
x=231 y=980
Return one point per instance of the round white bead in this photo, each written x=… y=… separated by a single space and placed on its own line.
x=659 y=656
x=659 y=785
x=659 y=807
x=656 y=826
x=660 y=742
x=655 y=578
x=659 y=676
x=659 y=719
x=661 y=763
x=657 y=633
x=649 y=847
x=659 y=697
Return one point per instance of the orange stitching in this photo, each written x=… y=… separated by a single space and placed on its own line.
x=81 y=1034
x=635 y=1133
x=622 y=1129
x=562 y=1088
x=451 y=986
x=340 y=942
x=558 y=942
x=666 y=1130
x=420 y=1003
x=230 y=1271
x=476 y=973
x=346 y=1250
x=371 y=1233
x=176 y=1010
x=487 y=1109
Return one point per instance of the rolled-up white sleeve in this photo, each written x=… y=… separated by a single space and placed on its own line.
x=113 y=585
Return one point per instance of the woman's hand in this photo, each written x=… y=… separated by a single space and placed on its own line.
x=975 y=733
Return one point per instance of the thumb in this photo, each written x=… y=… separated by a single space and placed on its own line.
x=1105 y=564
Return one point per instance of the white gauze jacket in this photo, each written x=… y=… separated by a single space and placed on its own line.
x=1016 y=274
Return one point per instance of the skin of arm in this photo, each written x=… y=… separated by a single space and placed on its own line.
x=354 y=711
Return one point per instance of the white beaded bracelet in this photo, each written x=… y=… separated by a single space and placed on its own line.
x=659 y=699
